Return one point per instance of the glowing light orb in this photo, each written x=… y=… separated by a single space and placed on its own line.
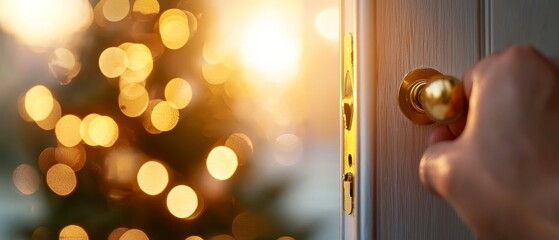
x=222 y=163
x=38 y=102
x=182 y=201
x=152 y=178
x=61 y=179
x=328 y=23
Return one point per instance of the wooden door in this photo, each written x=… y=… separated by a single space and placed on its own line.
x=391 y=38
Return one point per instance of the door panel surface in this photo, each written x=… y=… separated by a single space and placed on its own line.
x=411 y=34
x=391 y=38
x=524 y=21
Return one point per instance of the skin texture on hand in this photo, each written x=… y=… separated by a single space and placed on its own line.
x=498 y=166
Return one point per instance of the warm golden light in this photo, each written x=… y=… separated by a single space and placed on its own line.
x=67 y=130
x=133 y=100
x=241 y=145
x=26 y=179
x=46 y=159
x=222 y=237
x=50 y=122
x=146 y=7
x=182 y=201
x=328 y=23
x=117 y=233
x=73 y=232
x=42 y=23
x=103 y=131
x=194 y=238
x=178 y=93
x=288 y=149
x=134 y=234
x=174 y=28
x=73 y=157
x=61 y=179
x=152 y=178
x=214 y=52
x=221 y=163
x=130 y=77
x=113 y=62
x=63 y=65
x=38 y=102
x=286 y=238
x=116 y=10
x=146 y=118
x=270 y=47
x=164 y=117
x=84 y=129
x=216 y=74
x=21 y=108
x=121 y=167
x=138 y=55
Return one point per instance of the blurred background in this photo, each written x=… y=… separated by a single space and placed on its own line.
x=175 y=119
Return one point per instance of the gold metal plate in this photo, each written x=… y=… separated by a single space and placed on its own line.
x=349 y=140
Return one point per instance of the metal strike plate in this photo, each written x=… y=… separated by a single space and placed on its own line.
x=349 y=120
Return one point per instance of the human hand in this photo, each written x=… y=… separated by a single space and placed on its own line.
x=498 y=166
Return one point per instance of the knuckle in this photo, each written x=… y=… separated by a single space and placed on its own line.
x=521 y=51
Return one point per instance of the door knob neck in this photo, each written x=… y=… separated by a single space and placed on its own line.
x=427 y=96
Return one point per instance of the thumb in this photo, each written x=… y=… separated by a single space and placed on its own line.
x=435 y=168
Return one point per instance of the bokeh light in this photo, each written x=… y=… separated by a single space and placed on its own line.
x=194 y=238
x=38 y=102
x=61 y=179
x=138 y=56
x=103 y=131
x=216 y=74
x=133 y=100
x=73 y=157
x=49 y=123
x=178 y=93
x=222 y=237
x=286 y=238
x=134 y=234
x=146 y=7
x=121 y=168
x=221 y=163
x=328 y=23
x=46 y=159
x=113 y=62
x=182 y=201
x=42 y=23
x=152 y=178
x=164 y=116
x=271 y=48
x=84 y=129
x=288 y=149
x=117 y=233
x=116 y=10
x=73 y=232
x=215 y=52
x=241 y=145
x=63 y=65
x=174 y=28
x=67 y=130
x=26 y=179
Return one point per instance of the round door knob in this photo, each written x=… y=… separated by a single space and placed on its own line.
x=426 y=96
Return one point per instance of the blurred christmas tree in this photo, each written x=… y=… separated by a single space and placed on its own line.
x=137 y=139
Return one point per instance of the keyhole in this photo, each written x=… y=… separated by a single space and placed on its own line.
x=349 y=160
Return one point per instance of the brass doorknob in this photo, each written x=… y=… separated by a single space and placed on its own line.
x=427 y=96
